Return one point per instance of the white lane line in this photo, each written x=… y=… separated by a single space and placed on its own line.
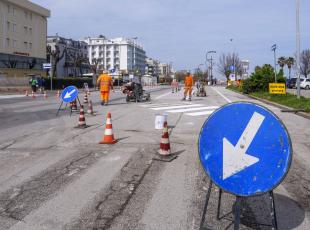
x=200 y=113
x=192 y=109
x=229 y=101
x=166 y=94
x=161 y=105
x=11 y=96
x=176 y=107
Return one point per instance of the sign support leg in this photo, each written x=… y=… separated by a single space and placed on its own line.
x=219 y=204
x=273 y=211
x=203 y=218
x=237 y=212
x=59 y=108
x=79 y=101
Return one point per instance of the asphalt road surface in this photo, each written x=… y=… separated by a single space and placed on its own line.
x=55 y=176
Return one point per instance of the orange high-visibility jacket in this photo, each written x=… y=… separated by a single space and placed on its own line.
x=189 y=81
x=105 y=82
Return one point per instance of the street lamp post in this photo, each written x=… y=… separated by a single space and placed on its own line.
x=273 y=48
x=298 y=47
x=211 y=63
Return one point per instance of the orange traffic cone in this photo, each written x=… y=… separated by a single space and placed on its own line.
x=82 y=122
x=88 y=94
x=85 y=99
x=57 y=94
x=73 y=106
x=45 y=95
x=90 y=108
x=26 y=94
x=33 y=96
x=108 y=133
x=165 y=143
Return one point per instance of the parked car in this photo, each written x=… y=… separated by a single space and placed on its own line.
x=305 y=83
x=291 y=83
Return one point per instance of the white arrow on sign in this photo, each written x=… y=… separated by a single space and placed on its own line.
x=68 y=95
x=235 y=158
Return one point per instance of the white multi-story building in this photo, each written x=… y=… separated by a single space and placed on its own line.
x=117 y=55
x=152 y=67
x=245 y=68
x=23 y=30
x=72 y=55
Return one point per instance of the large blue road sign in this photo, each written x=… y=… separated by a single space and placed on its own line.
x=69 y=94
x=245 y=149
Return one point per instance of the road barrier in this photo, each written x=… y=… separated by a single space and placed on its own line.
x=82 y=121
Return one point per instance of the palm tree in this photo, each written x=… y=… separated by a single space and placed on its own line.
x=282 y=62
x=290 y=61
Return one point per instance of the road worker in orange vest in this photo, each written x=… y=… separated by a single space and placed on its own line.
x=106 y=84
x=188 y=86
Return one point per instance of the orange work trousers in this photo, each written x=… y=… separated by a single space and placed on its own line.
x=188 y=90
x=105 y=95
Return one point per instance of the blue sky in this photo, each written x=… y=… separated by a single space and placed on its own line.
x=181 y=31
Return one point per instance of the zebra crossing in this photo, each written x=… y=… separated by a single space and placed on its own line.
x=188 y=109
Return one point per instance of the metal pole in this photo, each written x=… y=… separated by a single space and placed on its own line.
x=275 y=66
x=298 y=47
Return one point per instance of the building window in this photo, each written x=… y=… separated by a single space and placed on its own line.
x=8 y=25
x=14 y=43
x=9 y=8
x=7 y=42
x=30 y=16
x=25 y=29
x=14 y=27
x=30 y=31
x=26 y=14
x=14 y=11
x=30 y=46
x=26 y=45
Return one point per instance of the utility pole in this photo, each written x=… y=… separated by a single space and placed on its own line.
x=273 y=48
x=211 y=63
x=298 y=47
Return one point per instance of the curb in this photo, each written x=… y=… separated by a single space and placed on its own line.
x=302 y=114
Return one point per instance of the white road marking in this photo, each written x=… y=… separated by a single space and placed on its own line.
x=200 y=113
x=176 y=107
x=229 y=101
x=166 y=94
x=192 y=109
x=11 y=96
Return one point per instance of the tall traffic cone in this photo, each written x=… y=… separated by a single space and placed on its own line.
x=108 y=133
x=73 y=106
x=85 y=99
x=82 y=122
x=57 y=95
x=26 y=94
x=32 y=95
x=165 y=143
x=88 y=93
x=45 y=95
x=90 y=108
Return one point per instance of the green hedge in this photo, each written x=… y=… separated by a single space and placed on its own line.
x=61 y=83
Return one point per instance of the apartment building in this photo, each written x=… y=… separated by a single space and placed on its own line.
x=72 y=56
x=23 y=30
x=117 y=55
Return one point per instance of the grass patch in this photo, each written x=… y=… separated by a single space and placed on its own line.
x=289 y=100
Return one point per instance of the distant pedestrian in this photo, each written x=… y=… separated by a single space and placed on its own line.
x=33 y=82
x=188 y=86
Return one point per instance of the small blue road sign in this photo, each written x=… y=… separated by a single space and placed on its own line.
x=69 y=94
x=245 y=149
x=231 y=68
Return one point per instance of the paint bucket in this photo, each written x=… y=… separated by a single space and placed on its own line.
x=160 y=120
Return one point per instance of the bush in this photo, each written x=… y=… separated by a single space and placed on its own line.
x=61 y=83
x=260 y=79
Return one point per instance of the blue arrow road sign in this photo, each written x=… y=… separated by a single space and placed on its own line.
x=69 y=94
x=245 y=149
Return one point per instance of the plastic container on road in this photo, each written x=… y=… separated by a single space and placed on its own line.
x=160 y=120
